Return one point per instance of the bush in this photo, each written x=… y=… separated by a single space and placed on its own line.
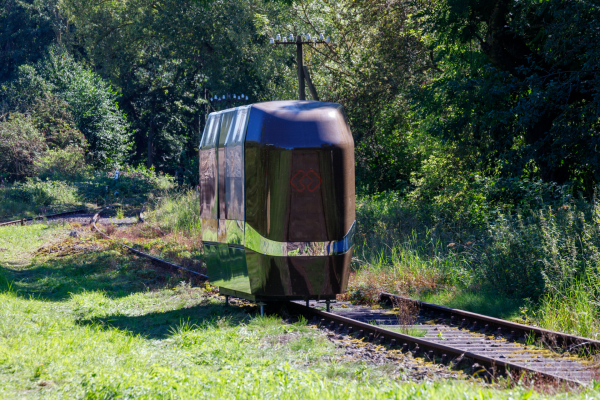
x=67 y=163
x=534 y=239
x=540 y=251
x=20 y=145
x=93 y=105
x=50 y=115
x=89 y=102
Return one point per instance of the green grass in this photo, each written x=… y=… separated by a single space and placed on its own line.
x=408 y=330
x=177 y=212
x=83 y=320
x=540 y=262
x=34 y=196
x=573 y=311
x=18 y=242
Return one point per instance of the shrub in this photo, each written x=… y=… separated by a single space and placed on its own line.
x=20 y=145
x=51 y=116
x=534 y=239
x=93 y=105
x=89 y=102
x=59 y=163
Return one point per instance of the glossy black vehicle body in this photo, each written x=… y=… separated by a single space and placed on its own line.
x=277 y=198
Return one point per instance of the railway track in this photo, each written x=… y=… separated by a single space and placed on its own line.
x=155 y=260
x=481 y=345
x=23 y=221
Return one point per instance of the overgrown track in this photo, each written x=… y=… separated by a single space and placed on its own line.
x=155 y=260
x=23 y=221
x=512 y=331
x=482 y=353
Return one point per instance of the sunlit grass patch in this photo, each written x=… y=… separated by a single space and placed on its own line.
x=17 y=243
x=177 y=212
x=102 y=323
x=407 y=269
x=573 y=309
x=408 y=330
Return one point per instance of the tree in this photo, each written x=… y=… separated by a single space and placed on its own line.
x=518 y=85
x=166 y=56
x=90 y=101
x=27 y=29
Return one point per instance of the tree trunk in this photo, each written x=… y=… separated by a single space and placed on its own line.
x=150 y=161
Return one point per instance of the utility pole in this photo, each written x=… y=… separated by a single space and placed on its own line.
x=303 y=75
x=301 y=93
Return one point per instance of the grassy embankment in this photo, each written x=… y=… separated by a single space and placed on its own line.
x=81 y=319
x=538 y=264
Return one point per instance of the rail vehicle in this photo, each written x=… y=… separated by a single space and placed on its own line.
x=278 y=201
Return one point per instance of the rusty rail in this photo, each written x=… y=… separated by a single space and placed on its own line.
x=22 y=221
x=141 y=253
x=432 y=351
x=511 y=329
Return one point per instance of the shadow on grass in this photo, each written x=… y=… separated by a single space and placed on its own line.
x=160 y=325
x=83 y=267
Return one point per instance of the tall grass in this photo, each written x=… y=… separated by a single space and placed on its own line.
x=547 y=256
x=177 y=212
x=573 y=310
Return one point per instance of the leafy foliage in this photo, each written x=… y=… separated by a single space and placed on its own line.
x=20 y=144
x=27 y=29
x=516 y=88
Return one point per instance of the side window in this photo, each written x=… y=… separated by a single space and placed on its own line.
x=227 y=120
x=234 y=165
x=208 y=168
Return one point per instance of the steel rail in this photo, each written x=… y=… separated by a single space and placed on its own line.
x=22 y=221
x=510 y=329
x=141 y=253
x=443 y=353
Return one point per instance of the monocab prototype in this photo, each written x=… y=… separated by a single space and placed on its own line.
x=278 y=200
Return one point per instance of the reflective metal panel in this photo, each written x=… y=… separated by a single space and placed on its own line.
x=226 y=121
x=235 y=232
x=208 y=168
x=222 y=231
x=234 y=168
x=210 y=229
x=211 y=257
x=262 y=245
x=227 y=267
x=299 y=171
x=298 y=276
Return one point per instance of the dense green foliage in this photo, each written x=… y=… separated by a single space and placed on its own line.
x=515 y=87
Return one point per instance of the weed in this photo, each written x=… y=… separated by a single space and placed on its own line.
x=119 y=213
x=409 y=330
